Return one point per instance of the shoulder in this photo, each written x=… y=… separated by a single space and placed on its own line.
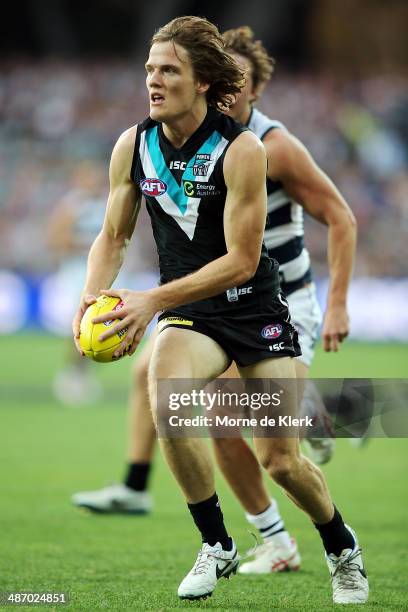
x=283 y=150
x=279 y=139
x=245 y=145
x=122 y=154
x=125 y=144
x=245 y=156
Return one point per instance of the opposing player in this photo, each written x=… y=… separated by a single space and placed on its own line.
x=293 y=178
x=299 y=180
x=74 y=223
x=201 y=230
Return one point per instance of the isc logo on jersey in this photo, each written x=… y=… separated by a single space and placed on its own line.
x=277 y=346
x=153 y=187
x=271 y=331
x=177 y=165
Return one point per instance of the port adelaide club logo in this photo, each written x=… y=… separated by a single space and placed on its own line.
x=272 y=331
x=153 y=187
x=201 y=164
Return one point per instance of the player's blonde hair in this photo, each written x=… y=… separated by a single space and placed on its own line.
x=241 y=40
x=212 y=64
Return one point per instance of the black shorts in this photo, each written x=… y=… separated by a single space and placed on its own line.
x=246 y=337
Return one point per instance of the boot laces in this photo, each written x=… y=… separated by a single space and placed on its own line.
x=346 y=574
x=204 y=559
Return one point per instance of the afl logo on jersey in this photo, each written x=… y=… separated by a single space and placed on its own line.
x=153 y=187
x=272 y=331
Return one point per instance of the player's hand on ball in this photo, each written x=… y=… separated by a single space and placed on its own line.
x=138 y=310
x=86 y=301
x=336 y=327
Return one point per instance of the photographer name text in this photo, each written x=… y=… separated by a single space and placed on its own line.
x=228 y=421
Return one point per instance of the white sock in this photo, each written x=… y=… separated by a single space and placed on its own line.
x=271 y=525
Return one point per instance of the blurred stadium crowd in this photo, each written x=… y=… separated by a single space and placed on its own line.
x=59 y=122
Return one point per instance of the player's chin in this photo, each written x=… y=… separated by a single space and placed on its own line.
x=157 y=113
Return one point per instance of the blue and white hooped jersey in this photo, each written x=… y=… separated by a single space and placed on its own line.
x=284 y=232
x=185 y=196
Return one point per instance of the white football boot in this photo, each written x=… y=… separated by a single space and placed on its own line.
x=114 y=499
x=212 y=563
x=273 y=556
x=349 y=580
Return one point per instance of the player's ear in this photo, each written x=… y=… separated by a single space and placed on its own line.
x=202 y=87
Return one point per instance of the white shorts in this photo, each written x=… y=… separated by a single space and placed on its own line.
x=306 y=317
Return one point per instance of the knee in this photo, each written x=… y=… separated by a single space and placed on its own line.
x=281 y=467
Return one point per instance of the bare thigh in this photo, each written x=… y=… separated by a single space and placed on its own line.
x=270 y=449
x=184 y=354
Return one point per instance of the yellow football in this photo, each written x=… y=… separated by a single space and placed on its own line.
x=90 y=332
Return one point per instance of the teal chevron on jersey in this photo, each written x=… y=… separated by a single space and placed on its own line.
x=185 y=193
x=174 y=190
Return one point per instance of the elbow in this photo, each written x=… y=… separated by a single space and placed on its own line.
x=121 y=242
x=350 y=226
x=344 y=223
x=246 y=271
x=115 y=238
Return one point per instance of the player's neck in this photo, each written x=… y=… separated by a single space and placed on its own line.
x=245 y=115
x=180 y=130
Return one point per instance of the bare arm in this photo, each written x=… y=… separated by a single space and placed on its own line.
x=290 y=162
x=244 y=215
x=107 y=252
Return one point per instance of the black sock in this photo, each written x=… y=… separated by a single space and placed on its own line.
x=208 y=517
x=335 y=535
x=137 y=476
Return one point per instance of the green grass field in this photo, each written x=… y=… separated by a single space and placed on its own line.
x=49 y=451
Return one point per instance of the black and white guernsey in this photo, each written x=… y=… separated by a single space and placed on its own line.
x=284 y=231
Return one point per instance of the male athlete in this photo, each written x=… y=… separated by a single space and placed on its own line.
x=284 y=240
x=201 y=230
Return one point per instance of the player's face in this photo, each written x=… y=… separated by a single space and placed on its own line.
x=172 y=87
x=243 y=100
